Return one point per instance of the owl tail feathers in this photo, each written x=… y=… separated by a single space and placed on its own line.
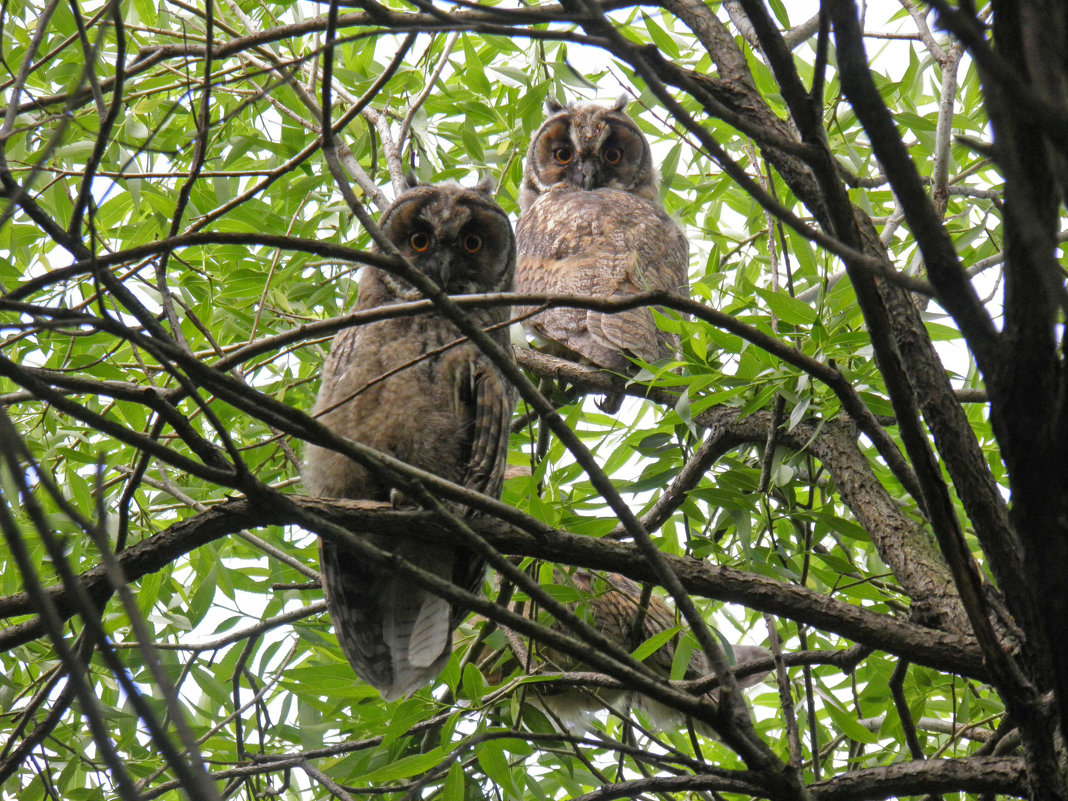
x=575 y=711
x=430 y=633
x=416 y=630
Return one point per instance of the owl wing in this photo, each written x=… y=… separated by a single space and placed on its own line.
x=417 y=625
x=354 y=596
x=490 y=400
x=337 y=362
x=616 y=610
x=613 y=606
x=397 y=636
x=578 y=330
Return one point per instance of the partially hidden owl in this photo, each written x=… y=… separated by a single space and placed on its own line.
x=613 y=607
x=591 y=224
x=408 y=388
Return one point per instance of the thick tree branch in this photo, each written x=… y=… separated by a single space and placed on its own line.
x=917 y=643
x=974 y=774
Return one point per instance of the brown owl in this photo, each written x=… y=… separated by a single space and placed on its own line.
x=591 y=224
x=404 y=387
x=613 y=608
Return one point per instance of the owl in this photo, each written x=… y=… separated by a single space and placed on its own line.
x=405 y=387
x=613 y=607
x=591 y=224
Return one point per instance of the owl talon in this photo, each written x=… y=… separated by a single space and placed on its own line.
x=611 y=403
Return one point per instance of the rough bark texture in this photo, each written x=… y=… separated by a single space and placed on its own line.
x=917 y=643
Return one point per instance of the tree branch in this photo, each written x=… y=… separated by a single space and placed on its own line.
x=919 y=644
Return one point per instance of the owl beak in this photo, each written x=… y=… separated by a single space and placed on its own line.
x=445 y=273
x=589 y=174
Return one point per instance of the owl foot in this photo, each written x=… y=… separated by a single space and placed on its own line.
x=610 y=403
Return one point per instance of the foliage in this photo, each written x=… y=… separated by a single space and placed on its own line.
x=876 y=296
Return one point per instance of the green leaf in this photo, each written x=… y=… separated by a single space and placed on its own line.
x=787 y=309
x=654 y=643
x=680 y=662
x=474 y=683
x=405 y=767
x=494 y=764
x=682 y=409
x=453 y=789
x=849 y=726
x=661 y=38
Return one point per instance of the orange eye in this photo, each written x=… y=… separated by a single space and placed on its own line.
x=563 y=155
x=419 y=242
x=471 y=243
x=612 y=155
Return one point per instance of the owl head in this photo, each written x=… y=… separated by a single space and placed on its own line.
x=589 y=146
x=457 y=236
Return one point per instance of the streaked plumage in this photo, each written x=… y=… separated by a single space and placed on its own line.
x=591 y=224
x=613 y=606
x=395 y=386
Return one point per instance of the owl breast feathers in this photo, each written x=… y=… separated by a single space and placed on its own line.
x=413 y=388
x=591 y=225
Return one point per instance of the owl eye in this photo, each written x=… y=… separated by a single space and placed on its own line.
x=612 y=155
x=471 y=243
x=563 y=155
x=419 y=241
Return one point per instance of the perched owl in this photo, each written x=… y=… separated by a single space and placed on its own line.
x=591 y=224
x=398 y=386
x=612 y=608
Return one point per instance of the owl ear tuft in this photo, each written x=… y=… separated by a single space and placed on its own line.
x=621 y=103
x=553 y=106
x=485 y=185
